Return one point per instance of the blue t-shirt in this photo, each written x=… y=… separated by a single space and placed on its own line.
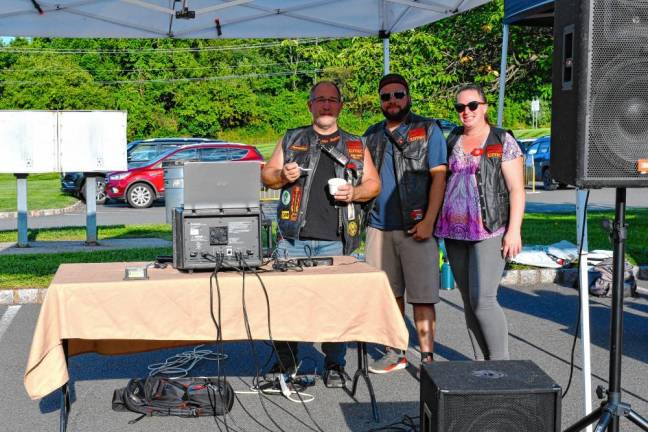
x=386 y=214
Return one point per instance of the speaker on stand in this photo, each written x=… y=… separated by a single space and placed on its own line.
x=599 y=129
x=599 y=137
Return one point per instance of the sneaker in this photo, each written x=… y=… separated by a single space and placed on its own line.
x=334 y=376
x=391 y=361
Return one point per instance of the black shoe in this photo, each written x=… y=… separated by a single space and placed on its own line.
x=334 y=376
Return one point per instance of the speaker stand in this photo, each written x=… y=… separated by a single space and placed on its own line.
x=611 y=409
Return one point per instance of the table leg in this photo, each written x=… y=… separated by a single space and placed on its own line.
x=363 y=371
x=65 y=395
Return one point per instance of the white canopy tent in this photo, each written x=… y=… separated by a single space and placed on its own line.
x=213 y=19
x=210 y=19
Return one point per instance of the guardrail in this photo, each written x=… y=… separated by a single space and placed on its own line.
x=268 y=194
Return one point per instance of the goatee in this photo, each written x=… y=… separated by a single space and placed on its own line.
x=399 y=115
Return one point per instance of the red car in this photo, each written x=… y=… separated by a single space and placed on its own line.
x=143 y=183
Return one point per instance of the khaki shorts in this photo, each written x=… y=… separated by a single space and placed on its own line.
x=412 y=266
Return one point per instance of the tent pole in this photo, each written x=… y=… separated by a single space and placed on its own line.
x=385 y=40
x=581 y=227
x=502 y=83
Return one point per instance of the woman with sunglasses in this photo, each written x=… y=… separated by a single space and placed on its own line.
x=481 y=218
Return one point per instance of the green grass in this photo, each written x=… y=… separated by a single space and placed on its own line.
x=531 y=133
x=37 y=270
x=545 y=229
x=43 y=192
x=162 y=231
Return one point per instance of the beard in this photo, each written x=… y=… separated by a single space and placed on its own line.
x=398 y=115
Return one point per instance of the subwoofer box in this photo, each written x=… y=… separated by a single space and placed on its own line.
x=488 y=396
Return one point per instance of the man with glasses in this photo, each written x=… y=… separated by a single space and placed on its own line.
x=410 y=154
x=313 y=222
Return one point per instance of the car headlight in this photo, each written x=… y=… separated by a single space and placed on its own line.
x=121 y=176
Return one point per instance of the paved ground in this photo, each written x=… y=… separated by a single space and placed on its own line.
x=118 y=213
x=541 y=319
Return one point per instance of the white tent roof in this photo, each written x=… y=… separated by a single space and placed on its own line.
x=234 y=18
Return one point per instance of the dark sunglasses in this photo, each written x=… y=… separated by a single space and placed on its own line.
x=397 y=95
x=471 y=105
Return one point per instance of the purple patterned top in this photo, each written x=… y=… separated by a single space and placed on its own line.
x=460 y=217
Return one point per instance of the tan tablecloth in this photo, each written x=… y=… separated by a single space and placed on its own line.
x=97 y=311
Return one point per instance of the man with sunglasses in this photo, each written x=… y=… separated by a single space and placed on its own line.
x=410 y=154
x=311 y=221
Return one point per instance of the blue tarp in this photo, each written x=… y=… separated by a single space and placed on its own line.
x=534 y=12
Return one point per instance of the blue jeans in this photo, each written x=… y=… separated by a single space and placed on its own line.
x=287 y=248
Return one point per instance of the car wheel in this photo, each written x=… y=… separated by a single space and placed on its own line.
x=102 y=197
x=547 y=181
x=140 y=195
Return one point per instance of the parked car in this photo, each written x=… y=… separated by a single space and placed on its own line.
x=73 y=183
x=540 y=152
x=143 y=182
x=525 y=143
x=446 y=126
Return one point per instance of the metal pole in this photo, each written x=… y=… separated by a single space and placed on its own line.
x=616 y=338
x=91 y=209
x=502 y=86
x=581 y=228
x=386 y=54
x=21 y=207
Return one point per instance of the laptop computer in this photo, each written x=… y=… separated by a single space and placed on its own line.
x=222 y=185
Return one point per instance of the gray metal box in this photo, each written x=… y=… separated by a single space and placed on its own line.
x=200 y=236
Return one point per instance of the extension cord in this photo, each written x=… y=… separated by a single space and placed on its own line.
x=315 y=261
x=284 y=386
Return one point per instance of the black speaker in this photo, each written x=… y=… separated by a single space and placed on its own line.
x=490 y=396
x=599 y=127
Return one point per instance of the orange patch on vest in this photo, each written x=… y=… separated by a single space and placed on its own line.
x=416 y=134
x=298 y=147
x=295 y=202
x=354 y=148
x=494 y=150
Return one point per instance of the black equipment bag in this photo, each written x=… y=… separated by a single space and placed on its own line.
x=182 y=397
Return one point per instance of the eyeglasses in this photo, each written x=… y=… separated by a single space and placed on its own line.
x=397 y=95
x=471 y=105
x=321 y=100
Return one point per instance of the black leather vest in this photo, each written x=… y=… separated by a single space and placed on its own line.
x=493 y=193
x=410 y=163
x=301 y=145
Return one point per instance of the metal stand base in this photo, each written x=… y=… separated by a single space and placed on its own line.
x=605 y=414
x=363 y=371
x=613 y=408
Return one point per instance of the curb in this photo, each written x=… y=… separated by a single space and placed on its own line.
x=567 y=277
x=45 y=212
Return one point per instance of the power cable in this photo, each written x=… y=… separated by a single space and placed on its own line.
x=177 y=80
x=179 y=365
x=239 y=65
x=267 y=298
x=16 y=50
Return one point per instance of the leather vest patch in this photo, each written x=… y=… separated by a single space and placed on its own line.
x=494 y=150
x=355 y=149
x=295 y=202
x=298 y=147
x=416 y=134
